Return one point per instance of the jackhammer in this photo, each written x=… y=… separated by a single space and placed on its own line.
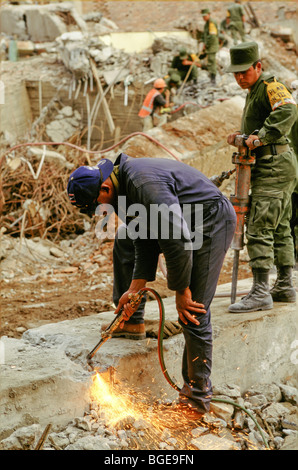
x=244 y=159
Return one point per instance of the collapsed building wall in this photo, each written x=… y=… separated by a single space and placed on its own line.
x=15 y=112
x=39 y=22
x=125 y=116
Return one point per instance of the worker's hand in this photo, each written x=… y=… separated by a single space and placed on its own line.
x=125 y=305
x=251 y=142
x=185 y=305
x=231 y=138
x=125 y=300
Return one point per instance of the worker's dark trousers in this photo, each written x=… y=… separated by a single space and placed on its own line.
x=123 y=264
x=219 y=226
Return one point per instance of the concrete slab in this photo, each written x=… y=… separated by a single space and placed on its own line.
x=39 y=385
x=44 y=376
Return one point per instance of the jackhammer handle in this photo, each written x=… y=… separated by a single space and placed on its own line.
x=240 y=140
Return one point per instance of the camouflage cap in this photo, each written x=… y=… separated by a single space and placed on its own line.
x=183 y=53
x=175 y=78
x=243 y=56
x=205 y=11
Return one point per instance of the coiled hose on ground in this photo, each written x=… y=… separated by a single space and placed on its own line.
x=164 y=368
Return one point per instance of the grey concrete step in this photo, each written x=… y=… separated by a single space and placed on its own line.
x=45 y=378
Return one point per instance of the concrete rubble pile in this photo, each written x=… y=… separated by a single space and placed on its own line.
x=64 y=125
x=76 y=44
x=80 y=40
x=226 y=427
x=36 y=258
x=39 y=23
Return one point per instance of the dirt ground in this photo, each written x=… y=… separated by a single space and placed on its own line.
x=65 y=295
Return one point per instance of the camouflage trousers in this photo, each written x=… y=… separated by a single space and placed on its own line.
x=268 y=234
x=211 y=63
x=237 y=32
x=193 y=75
x=294 y=221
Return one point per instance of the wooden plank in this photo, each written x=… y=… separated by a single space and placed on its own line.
x=104 y=101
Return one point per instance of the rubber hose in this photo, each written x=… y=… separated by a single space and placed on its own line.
x=92 y=152
x=167 y=376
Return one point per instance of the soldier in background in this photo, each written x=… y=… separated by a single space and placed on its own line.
x=294 y=143
x=271 y=110
x=211 y=43
x=185 y=65
x=235 y=21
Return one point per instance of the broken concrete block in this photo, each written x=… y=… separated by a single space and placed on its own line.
x=229 y=390
x=12 y=21
x=75 y=57
x=289 y=393
x=111 y=76
x=90 y=443
x=102 y=55
x=284 y=33
x=213 y=442
x=271 y=392
x=38 y=22
x=49 y=155
x=275 y=411
x=25 y=47
x=67 y=111
x=222 y=410
x=43 y=25
x=64 y=125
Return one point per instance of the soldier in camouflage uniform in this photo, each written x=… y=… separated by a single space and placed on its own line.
x=211 y=43
x=235 y=21
x=294 y=143
x=271 y=111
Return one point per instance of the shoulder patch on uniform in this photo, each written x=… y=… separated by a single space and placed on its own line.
x=278 y=94
x=212 y=28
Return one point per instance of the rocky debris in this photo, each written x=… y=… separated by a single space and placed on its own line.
x=34 y=170
x=39 y=22
x=272 y=423
x=99 y=24
x=74 y=51
x=64 y=125
x=51 y=155
x=66 y=63
x=19 y=258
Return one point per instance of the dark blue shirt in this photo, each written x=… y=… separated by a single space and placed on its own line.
x=148 y=188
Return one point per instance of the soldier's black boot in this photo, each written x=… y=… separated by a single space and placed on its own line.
x=283 y=290
x=259 y=297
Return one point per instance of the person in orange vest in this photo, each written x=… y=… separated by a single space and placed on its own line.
x=152 y=111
